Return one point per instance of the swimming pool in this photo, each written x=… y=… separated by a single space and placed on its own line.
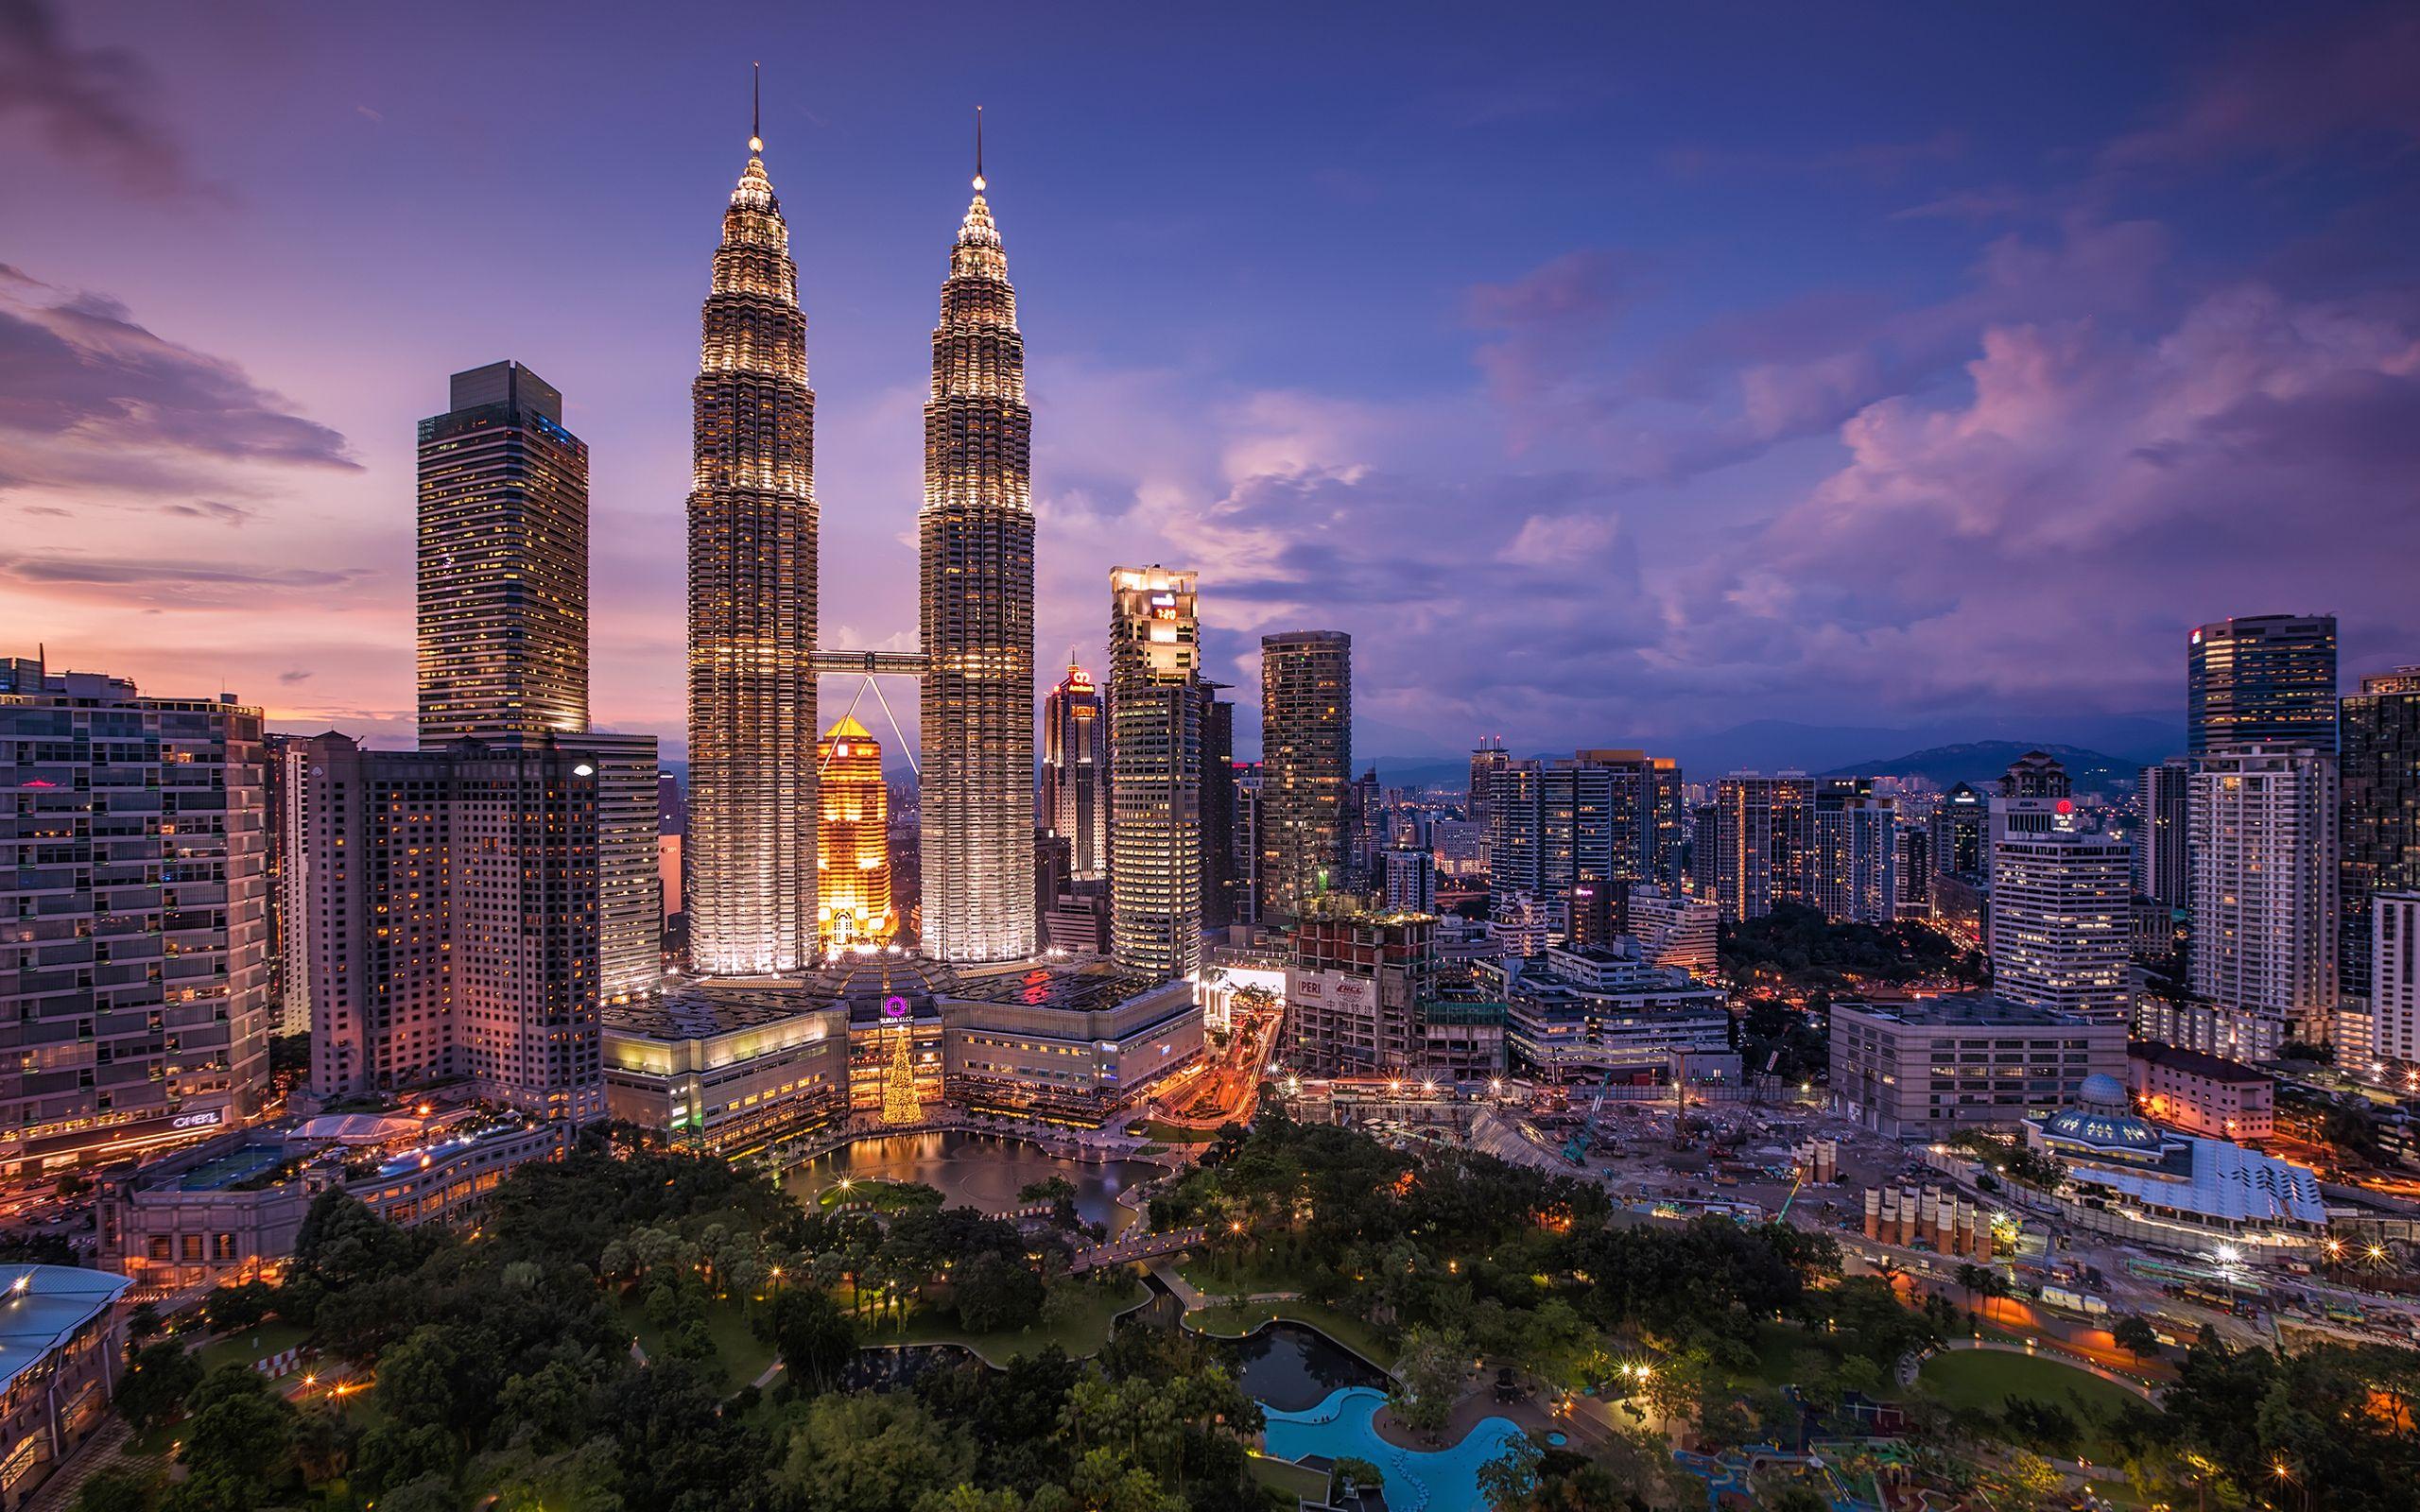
x=1443 y=1480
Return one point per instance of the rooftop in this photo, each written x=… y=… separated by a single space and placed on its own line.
x=1982 y=1010
x=700 y=1010
x=42 y=1305
x=2194 y=1063
x=1082 y=987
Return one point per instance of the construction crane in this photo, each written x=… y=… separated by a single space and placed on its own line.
x=1576 y=1148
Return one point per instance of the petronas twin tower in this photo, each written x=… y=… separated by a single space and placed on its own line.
x=752 y=652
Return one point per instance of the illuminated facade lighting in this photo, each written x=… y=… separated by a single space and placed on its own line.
x=853 y=843
x=1075 y=773
x=1306 y=760
x=976 y=790
x=1154 y=772
x=2265 y=879
x=752 y=605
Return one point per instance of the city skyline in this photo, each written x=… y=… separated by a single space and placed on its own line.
x=1597 y=426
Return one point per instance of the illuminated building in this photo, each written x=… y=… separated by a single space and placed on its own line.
x=2059 y=923
x=1155 y=772
x=1764 y=836
x=1927 y=1069
x=1354 y=987
x=2380 y=808
x=1961 y=834
x=2161 y=871
x=1075 y=773
x=1853 y=871
x=1221 y=879
x=1614 y=815
x=2209 y=1095
x=134 y=1001
x=975 y=791
x=503 y=605
x=2265 y=678
x=752 y=605
x=852 y=841
x=2392 y=1007
x=420 y=875
x=503 y=590
x=1486 y=761
x=1306 y=760
x=2265 y=878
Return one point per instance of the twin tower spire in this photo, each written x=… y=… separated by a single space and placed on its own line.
x=752 y=517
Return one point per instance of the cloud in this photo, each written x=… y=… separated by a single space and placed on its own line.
x=171 y=581
x=2290 y=92
x=89 y=397
x=293 y=677
x=217 y=509
x=85 y=102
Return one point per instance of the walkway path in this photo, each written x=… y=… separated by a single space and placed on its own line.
x=1195 y=1298
x=1135 y=1246
x=82 y=1462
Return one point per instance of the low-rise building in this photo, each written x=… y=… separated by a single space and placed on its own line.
x=1075 y=1048
x=727 y=1067
x=1353 y=988
x=1927 y=1068
x=1584 y=1012
x=2150 y=1185
x=62 y=1337
x=2201 y=1093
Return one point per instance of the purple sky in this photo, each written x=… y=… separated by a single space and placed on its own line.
x=1613 y=374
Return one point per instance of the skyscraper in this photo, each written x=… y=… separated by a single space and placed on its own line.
x=752 y=604
x=975 y=796
x=1155 y=772
x=1961 y=834
x=2380 y=802
x=2059 y=898
x=134 y=918
x=1614 y=815
x=1764 y=837
x=503 y=562
x=2161 y=871
x=1487 y=759
x=2266 y=678
x=852 y=841
x=2265 y=882
x=421 y=873
x=1074 y=772
x=1306 y=759
x=1219 y=872
x=1853 y=869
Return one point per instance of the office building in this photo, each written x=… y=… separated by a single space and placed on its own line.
x=1221 y=878
x=1764 y=838
x=2265 y=881
x=752 y=522
x=2162 y=873
x=1594 y=1012
x=1305 y=760
x=1459 y=847
x=2379 y=800
x=451 y=898
x=2265 y=679
x=1354 y=987
x=1915 y=843
x=1074 y=772
x=975 y=796
x=134 y=996
x=1244 y=845
x=276 y=834
x=1487 y=759
x=1961 y=834
x=1155 y=772
x=2059 y=928
x=853 y=842
x=1925 y=1069
x=1674 y=932
x=503 y=562
x=630 y=900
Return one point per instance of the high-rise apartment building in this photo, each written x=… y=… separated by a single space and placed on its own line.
x=852 y=841
x=974 y=798
x=503 y=562
x=275 y=836
x=629 y=891
x=1244 y=845
x=1764 y=837
x=1614 y=815
x=2162 y=873
x=134 y=998
x=2265 y=882
x=2262 y=679
x=1487 y=759
x=1075 y=773
x=1156 y=771
x=2059 y=923
x=2394 y=973
x=751 y=845
x=1407 y=879
x=1853 y=867
x=451 y=902
x=1307 y=760
x=2380 y=802
x=1961 y=833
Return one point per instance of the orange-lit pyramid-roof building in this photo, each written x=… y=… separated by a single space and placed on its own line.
x=852 y=841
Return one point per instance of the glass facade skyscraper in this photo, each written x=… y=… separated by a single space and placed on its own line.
x=2379 y=797
x=2262 y=679
x=1306 y=760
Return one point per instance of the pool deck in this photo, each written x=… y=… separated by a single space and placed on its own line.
x=1476 y=1405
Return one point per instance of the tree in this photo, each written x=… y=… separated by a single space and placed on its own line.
x=1429 y=1377
x=811 y=1335
x=869 y=1454
x=2135 y=1335
x=157 y=1382
x=115 y=1489
x=240 y=1443
x=1352 y=1472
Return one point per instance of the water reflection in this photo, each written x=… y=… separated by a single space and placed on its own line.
x=1293 y=1368
x=983 y=1171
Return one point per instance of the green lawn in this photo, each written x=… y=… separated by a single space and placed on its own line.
x=1234 y=1322
x=1081 y=1333
x=1168 y=1133
x=1219 y=1276
x=251 y=1345
x=741 y=1355
x=1291 y=1481
x=1778 y=1346
x=1987 y=1378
